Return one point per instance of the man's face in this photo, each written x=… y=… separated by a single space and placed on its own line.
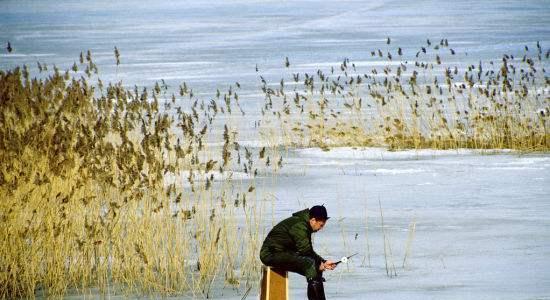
x=316 y=224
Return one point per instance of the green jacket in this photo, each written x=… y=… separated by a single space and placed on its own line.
x=292 y=235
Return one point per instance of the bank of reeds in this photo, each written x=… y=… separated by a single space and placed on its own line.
x=425 y=103
x=120 y=189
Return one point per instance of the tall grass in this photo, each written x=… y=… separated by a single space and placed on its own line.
x=120 y=189
x=425 y=103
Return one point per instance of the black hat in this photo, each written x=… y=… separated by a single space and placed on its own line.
x=318 y=212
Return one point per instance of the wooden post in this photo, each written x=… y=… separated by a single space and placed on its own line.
x=274 y=284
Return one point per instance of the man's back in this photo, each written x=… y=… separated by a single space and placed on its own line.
x=289 y=233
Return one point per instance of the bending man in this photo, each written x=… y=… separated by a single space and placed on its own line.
x=288 y=246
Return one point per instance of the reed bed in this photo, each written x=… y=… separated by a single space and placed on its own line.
x=422 y=103
x=121 y=190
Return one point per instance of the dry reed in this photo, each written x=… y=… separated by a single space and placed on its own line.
x=119 y=189
x=427 y=103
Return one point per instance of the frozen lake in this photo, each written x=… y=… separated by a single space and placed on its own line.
x=482 y=221
x=214 y=44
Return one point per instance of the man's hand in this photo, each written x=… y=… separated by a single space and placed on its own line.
x=327 y=265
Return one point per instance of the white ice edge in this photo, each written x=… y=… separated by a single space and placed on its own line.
x=385 y=154
x=376 y=153
x=356 y=63
x=15 y=55
x=249 y=144
x=525 y=161
x=170 y=64
x=201 y=176
x=512 y=168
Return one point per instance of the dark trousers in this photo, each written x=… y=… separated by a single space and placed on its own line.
x=303 y=265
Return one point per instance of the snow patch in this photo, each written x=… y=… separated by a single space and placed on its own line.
x=525 y=161
x=510 y=168
x=395 y=171
x=183 y=176
x=357 y=64
x=27 y=55
x=379 y=153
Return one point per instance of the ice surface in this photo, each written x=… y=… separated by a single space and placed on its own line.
x=482 y=219
x=482 y=222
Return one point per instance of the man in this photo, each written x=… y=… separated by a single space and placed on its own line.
x=288 y=246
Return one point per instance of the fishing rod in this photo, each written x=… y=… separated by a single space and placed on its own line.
x=345 y=259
